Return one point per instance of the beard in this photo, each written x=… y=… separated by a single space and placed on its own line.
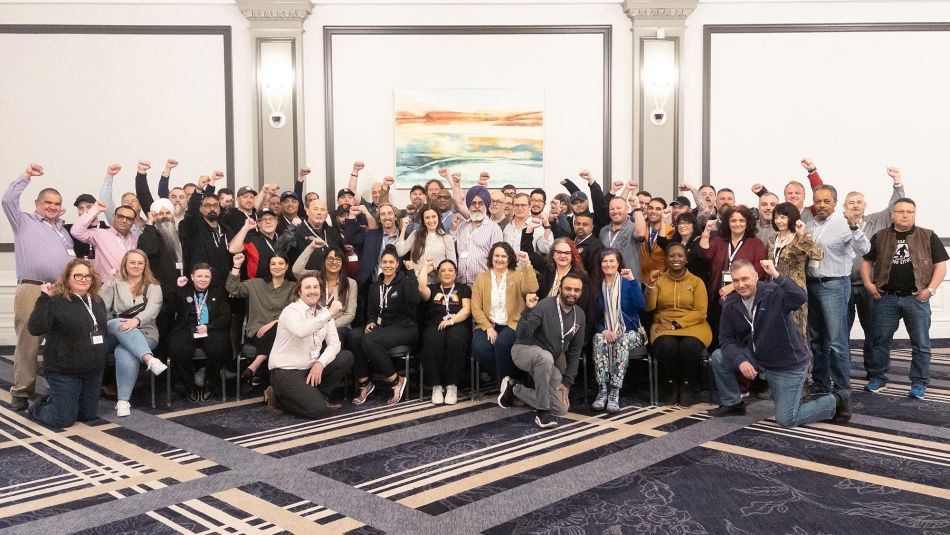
x=169 y=234
x=476 y=216
x=212 y=216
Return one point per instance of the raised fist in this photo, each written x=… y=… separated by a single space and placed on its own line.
x=304 y=171
x=686 y=186
x=182 y=281
x=250 y=224
x=895 y=173
x=406 y=221
x=800 y=226
x=34 y=169
x=807 y=163
x=616 y=186
x=102 y=206
x=585 y=174
x=218 y=175
x=523 y=258
x=444 y=173
x=633 y=185
x=655 y=275
x=335 y=307
x=113 y=169
x=769 y=267
x=533 y=223
x=757 y=187
x=456 y=177
x=710 y=225
x=144 y=165
x=238 y=260
x=203 y=181
x=171 y=164
x=358 y=166
x=354 y=211
x=627 y=274
x=531 y=300
x=388 y=181
x=483 y=178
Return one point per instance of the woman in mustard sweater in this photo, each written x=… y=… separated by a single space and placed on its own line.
x=680 y=332
x=498 y=299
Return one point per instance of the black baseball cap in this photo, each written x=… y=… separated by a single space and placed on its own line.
x=681 y=201
x=265 y=211
x=289 y=195
x=344 y=191
x=85 y=197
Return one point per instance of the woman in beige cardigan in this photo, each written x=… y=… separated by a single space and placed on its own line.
x=498 y=299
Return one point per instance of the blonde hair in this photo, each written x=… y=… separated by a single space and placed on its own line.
x=61 y=286
x=147 y=277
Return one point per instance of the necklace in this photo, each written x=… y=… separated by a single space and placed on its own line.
x=681 y=277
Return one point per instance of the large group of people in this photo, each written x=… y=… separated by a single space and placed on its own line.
x=326 y=291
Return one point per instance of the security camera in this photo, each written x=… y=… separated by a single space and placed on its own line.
x=277 y=119
x=658 y=117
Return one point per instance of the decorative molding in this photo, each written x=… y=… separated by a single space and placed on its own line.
x=298 y=15
x=656 y=13
x=275 y=10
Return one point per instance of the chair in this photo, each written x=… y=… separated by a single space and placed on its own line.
x=708 y=381
x=643 y=353
x=403 y=352
x=248 y=351
x=474 y=379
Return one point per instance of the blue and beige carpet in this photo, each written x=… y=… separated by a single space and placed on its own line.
x=234 y=467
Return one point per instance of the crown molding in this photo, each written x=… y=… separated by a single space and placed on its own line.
x=275 y=10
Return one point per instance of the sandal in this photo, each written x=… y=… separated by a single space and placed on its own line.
x=365 y=391
x=399 y=388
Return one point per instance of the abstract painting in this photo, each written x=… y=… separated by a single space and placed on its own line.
x=500 y=131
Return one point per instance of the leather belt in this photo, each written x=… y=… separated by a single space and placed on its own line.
x=29 y=281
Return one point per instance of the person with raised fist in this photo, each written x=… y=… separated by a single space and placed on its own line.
x=112 y=243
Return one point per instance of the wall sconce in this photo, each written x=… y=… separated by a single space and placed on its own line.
x=658 y=80
x=276 y=81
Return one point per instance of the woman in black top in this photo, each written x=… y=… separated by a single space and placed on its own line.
x=447 y=332
x=563 y=258
x=390 y=314
x=72 y=316
x=686 y=231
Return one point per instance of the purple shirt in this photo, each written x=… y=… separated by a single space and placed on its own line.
x=473 y=245
x=110 y=245
x=42 y=248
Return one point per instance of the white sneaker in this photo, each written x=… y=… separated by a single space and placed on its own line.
x=123 y=408
x=156 y=367
x=451 y=395
x=437 y=398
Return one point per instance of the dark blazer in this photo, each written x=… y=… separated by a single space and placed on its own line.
x=186 y=317
x=367 y=244
x=200 y=243
x=160 y=259
x=68 y=328
x=778 y=341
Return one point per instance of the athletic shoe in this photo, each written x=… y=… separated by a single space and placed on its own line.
x=438 y=397
x=600 y=402
x=207 y=393
x=613 y=401
x=507 y=396
x=399 y=390
x=193 y=396
x=156 y=367
x=874 y=385
x=18 y=403
x=451 y=395
x=729 y=410
x=545 y=420
x=123 y=408
x=918 y=391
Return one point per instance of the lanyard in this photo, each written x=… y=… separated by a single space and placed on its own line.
x=824 y=226
x=269 y=244
x=95 y=324
x=447 y=296
x=751 y=322
x=653 y=235
x=383 y=296
x=219 y=237
x=315 y=235
x=579 y=242
x=734 y=252
x=560 y=318
x=59 y=233
x=612 y=236
x=199 y=305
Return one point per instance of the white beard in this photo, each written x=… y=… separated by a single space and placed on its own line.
x=477 y=216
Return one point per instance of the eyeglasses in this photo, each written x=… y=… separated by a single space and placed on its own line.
x=562 y=252
x=80 y=277
x=495 y=201
x=477 y=203
x=210 y=206
x=904 y=212
x=123 y=217
x=334 y=259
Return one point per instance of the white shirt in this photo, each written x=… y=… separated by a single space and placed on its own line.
x=499 y=311
x=300 y=337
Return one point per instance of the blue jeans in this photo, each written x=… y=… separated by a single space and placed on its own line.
x=860 y=305
x=828 y=330
x=129 y=347
x=70 y=398
x=786 y=386
x=494 y=358
x=888 y=311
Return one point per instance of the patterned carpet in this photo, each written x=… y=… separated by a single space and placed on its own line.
x=234 y=467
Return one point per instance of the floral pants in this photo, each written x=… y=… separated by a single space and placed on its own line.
x=610 y=359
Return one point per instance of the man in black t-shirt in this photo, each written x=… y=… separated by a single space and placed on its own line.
x=902 y=271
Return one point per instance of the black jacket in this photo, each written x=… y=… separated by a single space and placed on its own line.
x=68 y=328
x=367 y=244
x=161 y=260
x=186 y=317
x=402 y=299
x=302 y=236
x=200 y=243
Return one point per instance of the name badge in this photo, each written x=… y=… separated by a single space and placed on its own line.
x=813 y=264
x=379 y=320
x=463 y=255
x=726 y=277
x=179 y=266
x=199 y=335
x=352 y=258
x=97 y=339
x=71 y=253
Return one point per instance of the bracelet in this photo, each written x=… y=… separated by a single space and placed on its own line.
x=351 y=174
x=650 y=287
x=812 y=170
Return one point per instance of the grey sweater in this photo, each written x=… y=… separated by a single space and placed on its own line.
x=870 y=225
x=118 y=298
x=540 y=326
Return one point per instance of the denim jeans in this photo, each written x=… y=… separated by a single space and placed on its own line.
x=129 y=347
x=494 y=358
x=860 y=306
x=70 y=398
x=828 y=330
x=786 y=386
x=888 y=311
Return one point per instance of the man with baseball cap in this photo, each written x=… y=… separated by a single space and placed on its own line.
x=243 y=209
x=289 y=212
x=83 y=203
x=679 y=205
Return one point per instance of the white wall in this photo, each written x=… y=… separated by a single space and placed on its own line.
x=771 y=112
x=370 y=67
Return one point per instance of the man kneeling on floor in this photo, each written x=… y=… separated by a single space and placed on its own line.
x=553 y=326
x=758 y=336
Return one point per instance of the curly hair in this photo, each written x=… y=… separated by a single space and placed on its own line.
x=512 y=259
x=743 y=210
x=577 y=263
x=788 y=210
x=61 y=286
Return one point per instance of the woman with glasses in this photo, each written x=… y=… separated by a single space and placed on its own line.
x=619 y=302
x=686 y=231
x=72 y=317
x=135 y=299
x=447 y=332
x=430 y=240
x=564 y=258
x=498 y=299
x=337 y=286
